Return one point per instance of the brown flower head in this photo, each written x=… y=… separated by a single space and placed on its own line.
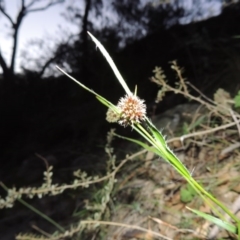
x=132 y=110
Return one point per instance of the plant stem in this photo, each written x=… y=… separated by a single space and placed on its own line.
x=37 y=211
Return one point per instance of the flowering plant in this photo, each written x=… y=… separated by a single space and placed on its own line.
x=131 y=111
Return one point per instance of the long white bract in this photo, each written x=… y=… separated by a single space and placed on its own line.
x=112 y=64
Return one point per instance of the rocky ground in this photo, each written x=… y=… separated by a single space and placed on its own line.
x=149 y=199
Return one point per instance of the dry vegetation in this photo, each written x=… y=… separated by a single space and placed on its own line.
x=141 y=196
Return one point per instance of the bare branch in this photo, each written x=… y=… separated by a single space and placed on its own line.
x=56 y=54
x=45 y=7
x=24 y=10
x=34 y=2
x=2 y=10
x=31 y=3
x=46 y=65
x=3 y=63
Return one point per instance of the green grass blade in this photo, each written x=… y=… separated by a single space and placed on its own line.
x=223 y=224
x=152 y=149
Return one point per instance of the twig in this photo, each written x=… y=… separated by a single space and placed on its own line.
x=41 y=231
x=235 y=120
x=125 y=226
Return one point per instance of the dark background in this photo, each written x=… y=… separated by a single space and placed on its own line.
x=52 y=116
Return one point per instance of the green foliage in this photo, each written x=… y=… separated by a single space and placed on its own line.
x=187 y=193
x=223 y=224
x=237 y=100
x=185 y=128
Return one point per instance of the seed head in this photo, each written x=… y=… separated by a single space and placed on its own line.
x=132 y=110
x=112 y=116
